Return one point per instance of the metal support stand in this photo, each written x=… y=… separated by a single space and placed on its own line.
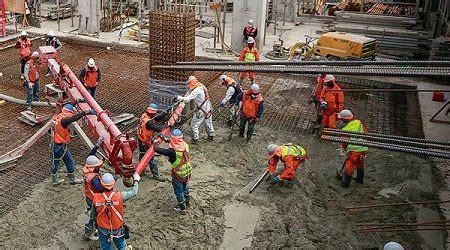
x=71 y=9
x=275 y=14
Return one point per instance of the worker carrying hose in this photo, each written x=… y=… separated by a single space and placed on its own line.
x=92 y=185
x=252 y=108
x=355 y=153
x=109 y=212
x=249 y=54
x=331 y=101
x=249 y=31
x=233 y=90
x=60 y=141
x=292 y=156
x=90 y=76
x=24 y=45
x=199 y=93
x=178 y=155
x=146 y=130
x=31 y=83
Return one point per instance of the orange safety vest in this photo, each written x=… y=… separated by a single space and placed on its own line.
x=60 y=134
x=250 y=31
x=32 y=74
x=109 y=208
x=90 y=77
x=24 y=49
x=144 y=134
x=88 y=187
x=250 y=106
x=249 y=55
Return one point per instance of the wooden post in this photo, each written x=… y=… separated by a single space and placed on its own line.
x=57 y=15
x=139 y=18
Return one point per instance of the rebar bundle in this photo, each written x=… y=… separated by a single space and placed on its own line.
x=335 y=63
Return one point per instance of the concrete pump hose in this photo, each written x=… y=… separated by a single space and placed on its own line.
x=23 y=102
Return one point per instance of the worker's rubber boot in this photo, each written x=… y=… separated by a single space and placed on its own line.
x=55 y=180
x=194 y=141
x=346 y=180
x=359 y=175
x=339 y=175
x=210 y=138
x=181 y=208
x=188 y=200
x=89 y=234
x=288 y=183
x=73 y=179
x=230 y=123
x=159 y=177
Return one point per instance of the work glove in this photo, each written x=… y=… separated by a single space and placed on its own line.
x=90 y=112
x=99 y=141
x=323 y=105
x=136 y=177
x=81 y=100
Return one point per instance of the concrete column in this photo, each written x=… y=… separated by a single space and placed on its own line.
x=290 y=12
x=90 y=15
x=244 y=10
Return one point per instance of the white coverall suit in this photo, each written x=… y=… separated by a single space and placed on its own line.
x=204 y=111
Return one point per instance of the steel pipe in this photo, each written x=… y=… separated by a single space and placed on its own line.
x=366 y=71
x=340 y=63
x=398 y=204
x=391 y=140
x=24 y=102
x=388 y=90
x=447 y=143
x=392 y=147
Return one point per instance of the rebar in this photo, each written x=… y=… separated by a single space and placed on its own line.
x=397 y=204
x=391 y=140
x=388 y=90
x=413 y=139
x=367 y=71
x=336 y=63
x=402 y=230
x=392 y=147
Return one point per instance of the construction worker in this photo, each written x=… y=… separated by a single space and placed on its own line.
x=252 y=108
x=331 y=101
x=109 y=212
x=90 y=76
x=24 y=45
x=250 y=31
x=233 y=90
x=53 y=41
x=31 y=83
x=61 y=139
x=355 y=153
x=199 y=93
x=393 y=246
x=178 y=156
x=317 y=93
x=146 y=130
x=249 y=54
x=92 y=185
x=291 y=155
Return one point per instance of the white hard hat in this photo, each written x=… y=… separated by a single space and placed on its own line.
x=393 y=246
x=223 y=78
x=93 y=161
x=35 y=54
x=329 y=78
x=250 y=22
x=91 y=62
x=51 y=33
x=23 y=33
x=255 y=88
x=108 y=181
x=251 y=40
x=345 y=115
x=190 y=79
x=271 y=148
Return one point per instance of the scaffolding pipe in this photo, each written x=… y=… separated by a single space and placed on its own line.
x=397 y=204
x=391 y=147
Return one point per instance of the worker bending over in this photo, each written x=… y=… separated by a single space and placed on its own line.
x=178 y=155
x=233 y=90
x=252 y=108
x=355 y=153
x=61 y=139
x=199 y=93
x=31 y=83
x=146 y=130
x=291 y=155
x=90 y=76
x=92 y=185
x=249 y=54
x=249 y=31
x=54 y=42
x=331 y=101
x=109 y=212
x=24 y=45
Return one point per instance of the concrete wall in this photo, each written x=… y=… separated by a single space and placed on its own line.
x=243 y=10
x=90 y=15
x=291 y=10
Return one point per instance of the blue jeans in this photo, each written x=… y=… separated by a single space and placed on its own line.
x=32 y=93
x=90 y=226
x=181 y=190
x=62 y=152
x=106 y=244
x=91 y=91
x=152 y=164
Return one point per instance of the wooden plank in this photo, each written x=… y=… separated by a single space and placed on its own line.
x=15 y=6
